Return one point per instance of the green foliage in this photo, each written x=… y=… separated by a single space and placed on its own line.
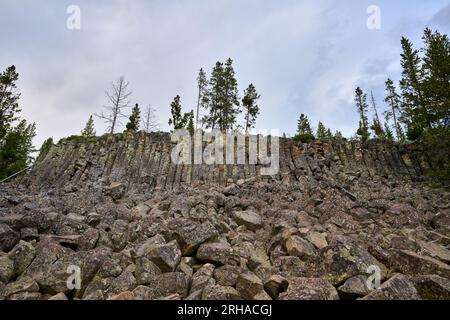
x=388 y=132
x=251 y=109
x=202 y=101
x=436 y=148
x=304 y=132
x=321 y=131
x=190 y=123
x=9 y=97
x=16 y=149
x=16 y=135
x=338 y=135
x=134 y=120
x=89 y=131
x=361 y=107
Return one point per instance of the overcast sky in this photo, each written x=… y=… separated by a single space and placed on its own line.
x=302 y=56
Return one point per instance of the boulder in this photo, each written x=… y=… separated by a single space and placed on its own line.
x=250 y=219
x=353 y=288
x=24 y=284
x=218 y=292
x=275 y=285
x=8 y=238
x=190 y=235
x=249 y=286
x=22 y=255
x=396 y=288
x=6 y=269
x=432 y=287
x=299 y=247
x=226 y=275
x=218 y=253
x=165 y=256
x=309 y=289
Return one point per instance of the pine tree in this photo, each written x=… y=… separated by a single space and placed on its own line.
x=89 y=131
x=222 y=97
x=415 y=113
x=250 y=107
x=388 y=132
x=135 y=118
x=15 y=154
x=9 y=97
x=394 y=102
x=202 y=100
x=329 y=135
x=304 y=132
x=178 y=120
x=338 y=135
x=214 y=96
x=361 y=106
x=436 y=83
x=321 y=131
x=190 y=123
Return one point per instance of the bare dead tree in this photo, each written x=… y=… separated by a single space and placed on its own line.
x=117 y=101
x=150 y=120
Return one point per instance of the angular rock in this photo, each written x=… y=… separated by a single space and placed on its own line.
x=217 y=253
x=432 y=287
x=29 y=234
x=411 y=263
x=249 y=286
x=191 y=235
x=165 y=256
x=6 y=269
x=250 y=219
x=8 y=238
x=22 y=255
x=24 y=284
x=299 y=247
x=146 y=270
x=226 y=275
x=396 y=288
x=353 y=288
x=309 y=289
x=276 y=285
x=218 y=292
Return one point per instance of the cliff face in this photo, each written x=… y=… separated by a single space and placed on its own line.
x=339 y=220
x=143 y=160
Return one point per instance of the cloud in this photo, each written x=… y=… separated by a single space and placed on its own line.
x=303 y=56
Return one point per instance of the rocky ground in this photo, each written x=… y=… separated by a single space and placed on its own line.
x=253 y=239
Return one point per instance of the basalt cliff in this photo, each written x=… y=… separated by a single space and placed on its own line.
x=116 y=219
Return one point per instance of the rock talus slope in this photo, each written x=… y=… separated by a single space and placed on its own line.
x=139 y=227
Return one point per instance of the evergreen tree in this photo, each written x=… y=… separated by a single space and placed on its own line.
x=9 y=97
x=436 y=83
x=190 y=123
x=329 y=134
x=394 y=102
x=361 y=106
x=338 y=135
x=304 y=132
x=251 y=109
x=202 y=100
x=415 y=113
x=135 y=118
x=321 y=131
x=388 y=132
x=17 y=148
x=222 y=97
x=44 y=150
x=88 y=131
x=179 y=120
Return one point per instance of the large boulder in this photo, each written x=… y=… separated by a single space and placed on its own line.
x=22 y=255
x=299 y=247
x=6 y=268
x=250 y=287
x=432 y=287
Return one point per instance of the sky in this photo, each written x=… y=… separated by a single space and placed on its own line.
x=302 y=56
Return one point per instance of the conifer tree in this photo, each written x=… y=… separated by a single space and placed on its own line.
x=202 y=100
x=89 y=131
x=250 y=107
x=9 y=97
x=304 y=132
x=321 y=131
x=135 y=118
x=45 y=148
x=190 y=123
